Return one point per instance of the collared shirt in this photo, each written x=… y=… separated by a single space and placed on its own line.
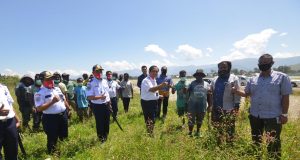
x=140 y=79
x=126 y=87
x=97 y=88
x=6 y=100
x=45 y=95
x=148 y=83
x=113 y=87
x=266 y=94
x=222 y=96
x=165 y=90
x=81 y=98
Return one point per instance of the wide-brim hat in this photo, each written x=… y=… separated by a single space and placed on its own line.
x=199 y=72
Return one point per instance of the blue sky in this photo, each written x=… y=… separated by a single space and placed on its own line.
x=73 y=35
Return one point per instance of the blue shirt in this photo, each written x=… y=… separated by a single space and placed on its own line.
x=163 y=78
x=218 y=92
x=266 y=94
x=80 y=92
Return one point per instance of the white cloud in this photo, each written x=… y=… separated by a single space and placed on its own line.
x=209 y=50
x=283 y=34
x=10 y=72
x=251 y=46
x=285 y=55
x=156 y=49
x=163 y=62
x=189 y=52
x=173 y=56
x=120 y=65
x=283 y=45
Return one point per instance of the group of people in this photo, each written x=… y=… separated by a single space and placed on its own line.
x=53 y=96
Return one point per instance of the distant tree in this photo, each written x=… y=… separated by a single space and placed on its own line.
x=256 y=70
x=284 y=69
x=235 y=71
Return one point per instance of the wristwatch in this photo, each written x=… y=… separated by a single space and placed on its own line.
x=285 y=115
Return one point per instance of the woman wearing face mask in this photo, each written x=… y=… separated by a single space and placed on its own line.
x=52 y=102
x=181 y=102
x=97 y=93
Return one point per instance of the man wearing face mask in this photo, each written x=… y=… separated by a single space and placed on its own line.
x=97 y=92
x=24 y=96
x=181 y=102
x=37 y=116
x=81 y=100
x=225 y=104
x=52 y=102
x=198 y=98
x=58 y=83
x=164 y=92
x=70 y=90
x=269 y=98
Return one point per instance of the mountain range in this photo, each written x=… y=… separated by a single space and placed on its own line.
x=245 y=64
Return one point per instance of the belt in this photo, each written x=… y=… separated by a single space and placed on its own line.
x=60 y=114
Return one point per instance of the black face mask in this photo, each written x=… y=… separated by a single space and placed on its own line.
x=264 y=67
x=223 y=73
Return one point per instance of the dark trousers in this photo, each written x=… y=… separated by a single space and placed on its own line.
x=26 y=110
x=149 y=109
x=9 y=139
x=165 y=102
x=102 y=115
x=37 y=118
x=273 y=131
x=126 y=102
x=55 y=126
x=114 y=105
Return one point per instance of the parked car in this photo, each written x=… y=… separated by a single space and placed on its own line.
x=295 y=83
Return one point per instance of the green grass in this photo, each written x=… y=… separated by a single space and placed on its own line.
x=170 y=141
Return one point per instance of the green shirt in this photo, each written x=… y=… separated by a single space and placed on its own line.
x=181 y=96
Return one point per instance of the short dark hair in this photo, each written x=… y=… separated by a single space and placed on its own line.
x=182 y=72
x=108 y=72
x=144 y=67
x=126 y=74
x=152 y=67
x=79 y=79
x=267 y=56
x=228 y=63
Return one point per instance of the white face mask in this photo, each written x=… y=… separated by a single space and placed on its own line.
x=182 y=78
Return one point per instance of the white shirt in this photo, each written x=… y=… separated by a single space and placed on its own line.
x=45 y=95
x=113 y=86
x=97 y=88
x=126 y=89
x=6 y=100
x=148 y=83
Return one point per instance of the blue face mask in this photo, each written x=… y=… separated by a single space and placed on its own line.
x=182 y=78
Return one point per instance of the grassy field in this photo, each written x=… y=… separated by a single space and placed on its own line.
x=170 y=141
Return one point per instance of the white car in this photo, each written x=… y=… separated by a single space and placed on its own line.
x=243 y=80
x=295 y=83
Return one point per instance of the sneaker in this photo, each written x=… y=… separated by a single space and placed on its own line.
x=190 y=134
